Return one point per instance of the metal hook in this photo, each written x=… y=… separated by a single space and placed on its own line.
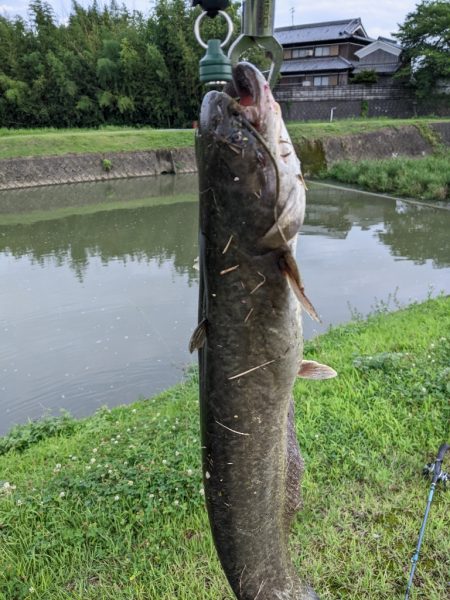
x=200 y=18
x=258 y=18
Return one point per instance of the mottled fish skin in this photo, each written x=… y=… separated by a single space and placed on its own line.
x=251 y=341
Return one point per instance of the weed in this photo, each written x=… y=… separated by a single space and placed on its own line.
x=106 y=165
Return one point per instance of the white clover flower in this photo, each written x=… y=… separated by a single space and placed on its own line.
x=110 y=471
x=57 y=467
x=116 y=498
x=189 y=472
x=130 y=483
x=94 y=450
x=116 y=442
x=19 y=502
x=151 y=495
x=164 y=462
x=128 y=430
x=92 y=461
x=117 y=437
x=62 y=494
x=134 y=410
x=176 y=503
x=6 y=485
x=31 y=590
x=88 y=467
x=202 y=491
x=177 y=453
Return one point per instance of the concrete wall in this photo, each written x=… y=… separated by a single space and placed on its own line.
x=72 y=168
x=357 y=100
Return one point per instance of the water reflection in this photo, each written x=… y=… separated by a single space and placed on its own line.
x=98 y=307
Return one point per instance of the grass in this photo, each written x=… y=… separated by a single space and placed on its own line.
x=320 y=129
x=16 y=143
x=111 y=507
x=425 y=178
x=46 y=142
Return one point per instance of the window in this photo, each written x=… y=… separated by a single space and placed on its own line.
x=287 y=54
x=322 y=51
x=325 y=80
x=302 y=52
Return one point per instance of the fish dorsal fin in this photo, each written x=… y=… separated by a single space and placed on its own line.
x=290 y=269
x=198 y=338
x=310 y=369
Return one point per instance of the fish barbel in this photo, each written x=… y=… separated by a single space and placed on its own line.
x=249 y=337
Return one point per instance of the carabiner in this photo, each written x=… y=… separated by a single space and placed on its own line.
x=258 y=20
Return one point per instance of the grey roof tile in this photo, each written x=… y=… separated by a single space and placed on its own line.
x=314 y=65
x=319 y=32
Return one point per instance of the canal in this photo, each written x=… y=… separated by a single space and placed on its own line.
x=99 y=284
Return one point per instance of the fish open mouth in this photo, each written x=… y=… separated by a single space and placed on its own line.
x=247 y=88
x=246 y=85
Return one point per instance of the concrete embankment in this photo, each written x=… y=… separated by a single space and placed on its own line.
x=388 y=142
x=18 y=173
x=316 y=155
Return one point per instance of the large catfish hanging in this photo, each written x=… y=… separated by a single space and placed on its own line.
x=252 y=202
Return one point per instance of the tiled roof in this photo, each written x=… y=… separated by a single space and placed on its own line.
x=315 y=65
x=319 y=32
x=390 y=67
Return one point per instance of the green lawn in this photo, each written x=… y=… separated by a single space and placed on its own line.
x=46 y=142
x=111 y=507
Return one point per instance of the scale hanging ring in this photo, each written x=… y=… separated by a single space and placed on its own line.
x=200 y=18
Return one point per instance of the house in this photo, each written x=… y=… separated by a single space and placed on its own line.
x=331 y=53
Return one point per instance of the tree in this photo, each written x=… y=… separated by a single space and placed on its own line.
x=425 y=37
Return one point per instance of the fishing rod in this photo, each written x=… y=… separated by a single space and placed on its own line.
x=438 y=476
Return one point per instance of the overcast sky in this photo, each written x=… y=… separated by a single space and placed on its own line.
x=379 y=17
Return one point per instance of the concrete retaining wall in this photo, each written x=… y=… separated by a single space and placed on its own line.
x=387 y=142
x=73 y=168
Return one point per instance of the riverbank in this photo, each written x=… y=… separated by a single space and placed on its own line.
x=112 y=506
x=46 y=157
x=427 y=178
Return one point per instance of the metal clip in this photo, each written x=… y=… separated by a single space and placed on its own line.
x=258 y=18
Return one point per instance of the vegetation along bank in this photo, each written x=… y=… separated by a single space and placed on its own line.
x=48 y=156
x=112 y=506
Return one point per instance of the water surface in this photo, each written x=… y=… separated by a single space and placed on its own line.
x=98 y=288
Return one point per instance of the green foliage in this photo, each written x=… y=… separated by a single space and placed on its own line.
x=116 y=509
x=367 y=76
x=425 y=37
x=364 y=108
x=106 y=165
x=105 y=65
x=422 y=178
x=22 y=437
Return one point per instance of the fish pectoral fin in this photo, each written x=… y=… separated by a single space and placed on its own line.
x=290 y=269
x=198 y=338
x=310 y=369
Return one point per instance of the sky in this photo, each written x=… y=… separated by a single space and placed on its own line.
x=378 y=18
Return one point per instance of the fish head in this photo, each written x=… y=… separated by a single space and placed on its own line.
x=247 y=146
